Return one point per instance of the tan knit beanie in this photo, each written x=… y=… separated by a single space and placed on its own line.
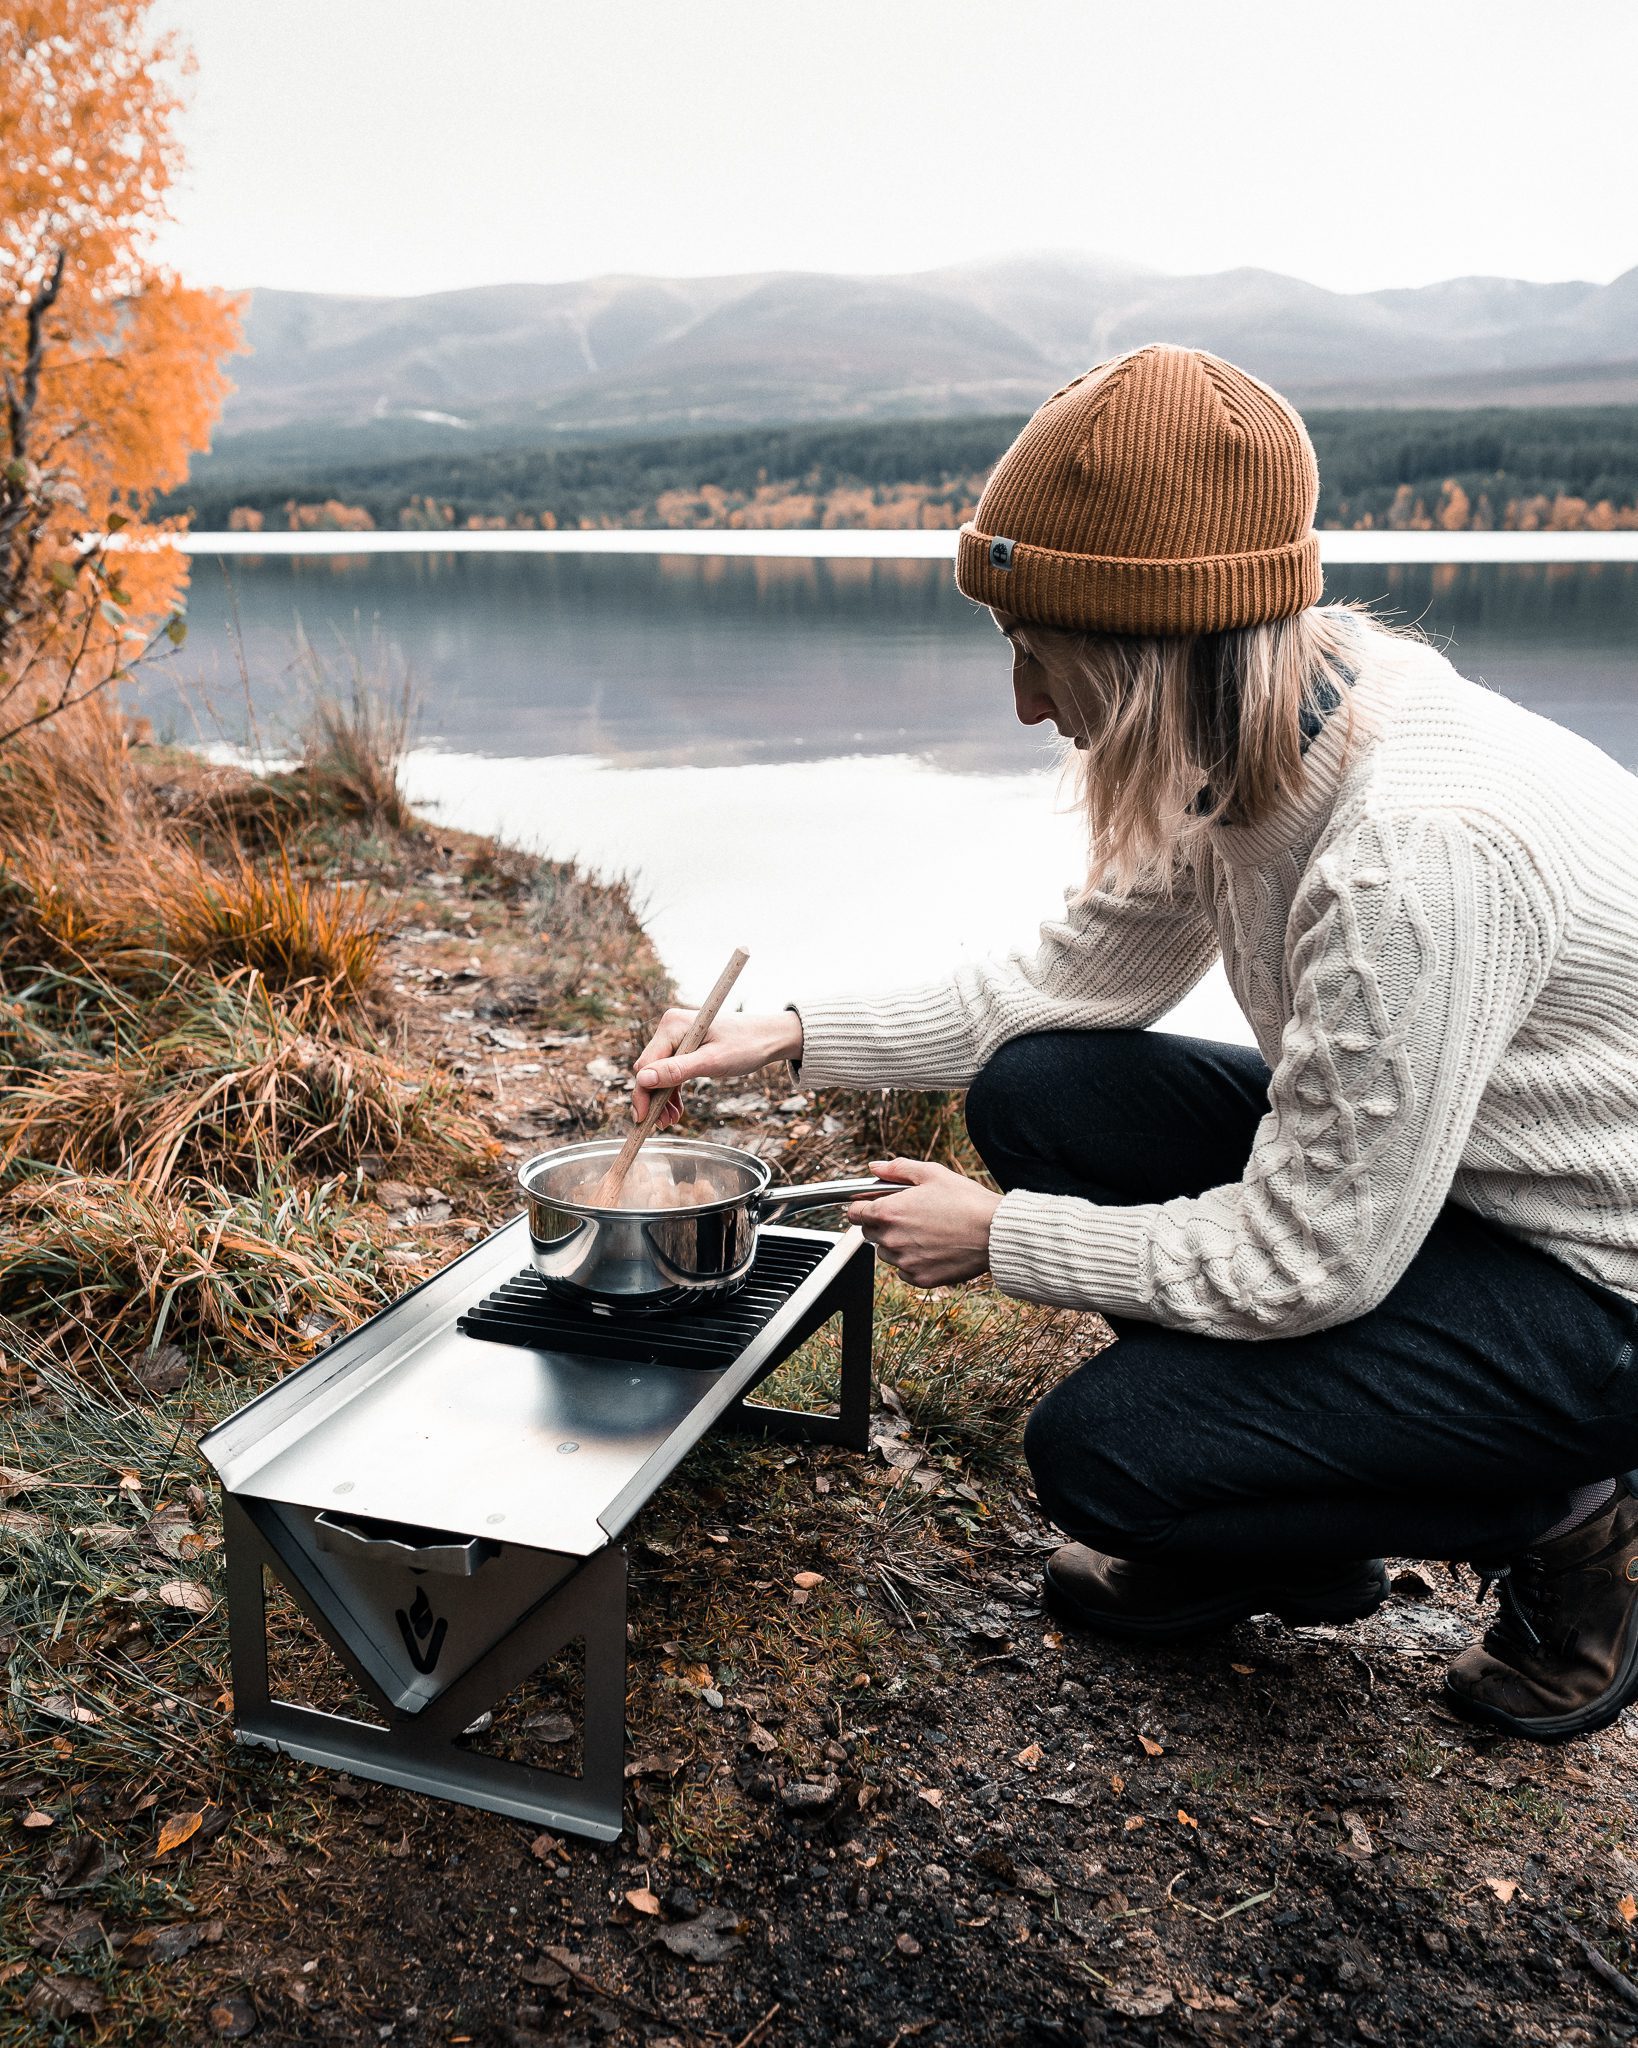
x=1163 y=492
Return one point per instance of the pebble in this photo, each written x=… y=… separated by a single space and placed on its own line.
x=711 y=1696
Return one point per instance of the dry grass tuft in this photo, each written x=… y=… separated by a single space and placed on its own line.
x=136 y=913
x=356 y=736
x=295 y=935
x=96 y=1268
x=227 y=1083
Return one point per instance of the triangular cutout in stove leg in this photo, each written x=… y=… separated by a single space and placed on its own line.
x=305 y=1670
x=540 y=1723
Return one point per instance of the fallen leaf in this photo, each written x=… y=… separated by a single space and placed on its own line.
x=543 y=1972
x=1186 y=1819
x=712 y=1938
x=1029 y=1756
x=1628 y=1909
x=543 y=1848
x=36 y=1819
x=761 y=1738
x=14 y=1481
x=808 y=1580
x=166 y=1529
x=551 y=1728
x=1507 y=1889
x=1133 y=1820
x=61 y=1930
x=186 y=1594
x=1052 y=1640
x=931 y=1794
x=177 y=1829
x=61 y=1998
x=1245 y=1670
x=654 y=1767
x=1117 y=1783
x=642 y=1900
x=697 y=1675
x=61 y=1708
x=1151 y=1747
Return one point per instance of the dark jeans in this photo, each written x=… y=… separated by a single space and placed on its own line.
x=1450 y=1421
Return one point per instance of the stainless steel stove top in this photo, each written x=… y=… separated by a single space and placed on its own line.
x=412 y=1419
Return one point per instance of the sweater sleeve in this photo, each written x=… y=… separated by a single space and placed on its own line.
x=1112 y=962
x=1414 y=950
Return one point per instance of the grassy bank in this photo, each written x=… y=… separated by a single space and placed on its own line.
x=273 y=1046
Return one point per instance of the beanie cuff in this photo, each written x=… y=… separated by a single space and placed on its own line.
x=1113 y=594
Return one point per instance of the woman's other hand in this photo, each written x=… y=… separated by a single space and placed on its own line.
x=733 y=1046
x=937 y=1230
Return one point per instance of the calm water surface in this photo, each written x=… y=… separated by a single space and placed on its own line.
x=814 y=759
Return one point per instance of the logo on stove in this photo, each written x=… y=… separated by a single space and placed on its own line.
x=423 y=1631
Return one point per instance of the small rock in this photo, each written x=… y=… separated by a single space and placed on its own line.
x=907 y=1944
x=681 y=1904
x=711 y=1696
x=603 y=1071
x=811 y=1795
x=793 y=1105
x=231 y=2018
x=742 y=1105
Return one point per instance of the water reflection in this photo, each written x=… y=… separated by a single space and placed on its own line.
x=815 y=758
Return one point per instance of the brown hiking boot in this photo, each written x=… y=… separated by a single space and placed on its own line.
x=1561 y=1658
x=1115 y=1596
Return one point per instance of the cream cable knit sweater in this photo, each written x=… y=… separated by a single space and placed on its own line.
x=1437 y=947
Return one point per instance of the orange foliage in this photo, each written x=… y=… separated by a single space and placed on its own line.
x=111 y=366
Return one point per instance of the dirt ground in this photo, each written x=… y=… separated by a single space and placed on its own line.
x=875 y=1797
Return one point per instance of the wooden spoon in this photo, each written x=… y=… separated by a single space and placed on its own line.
x=608 y=1188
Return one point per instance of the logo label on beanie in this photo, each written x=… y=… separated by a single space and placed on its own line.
x=1000 y=554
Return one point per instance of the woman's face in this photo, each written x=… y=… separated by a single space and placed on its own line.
x=1042 y=690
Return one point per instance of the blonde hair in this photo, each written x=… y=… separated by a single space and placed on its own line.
x=1183 y=734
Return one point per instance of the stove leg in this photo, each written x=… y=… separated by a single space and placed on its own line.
x=423 y=1752
x=852 y=1295
x=247 y=1610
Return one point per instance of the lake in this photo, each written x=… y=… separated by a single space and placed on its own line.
x=814 y=758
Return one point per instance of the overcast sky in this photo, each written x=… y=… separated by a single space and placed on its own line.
x=416 y=145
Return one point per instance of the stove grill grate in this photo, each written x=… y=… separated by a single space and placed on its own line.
x=523 y=1311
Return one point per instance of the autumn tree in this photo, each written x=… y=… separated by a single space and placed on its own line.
x=110 y=367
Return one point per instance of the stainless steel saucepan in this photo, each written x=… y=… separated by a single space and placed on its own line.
x=631 y=1260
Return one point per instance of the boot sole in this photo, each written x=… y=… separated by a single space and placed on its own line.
x=1350 y=1599
x=1609 y=1706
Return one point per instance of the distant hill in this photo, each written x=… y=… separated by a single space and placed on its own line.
x=624 y=355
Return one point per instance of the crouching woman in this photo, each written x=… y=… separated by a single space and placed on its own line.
x=1375 y=1284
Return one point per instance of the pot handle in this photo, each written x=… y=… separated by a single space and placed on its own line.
x=822 y=1194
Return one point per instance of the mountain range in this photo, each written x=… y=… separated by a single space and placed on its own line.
x=616 y=355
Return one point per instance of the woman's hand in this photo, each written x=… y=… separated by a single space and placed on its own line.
x=733 y=1046
x=937 y=1230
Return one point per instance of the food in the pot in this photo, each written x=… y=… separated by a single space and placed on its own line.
x=649 y=1185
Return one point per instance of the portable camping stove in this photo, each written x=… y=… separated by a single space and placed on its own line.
x=442 y=1493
